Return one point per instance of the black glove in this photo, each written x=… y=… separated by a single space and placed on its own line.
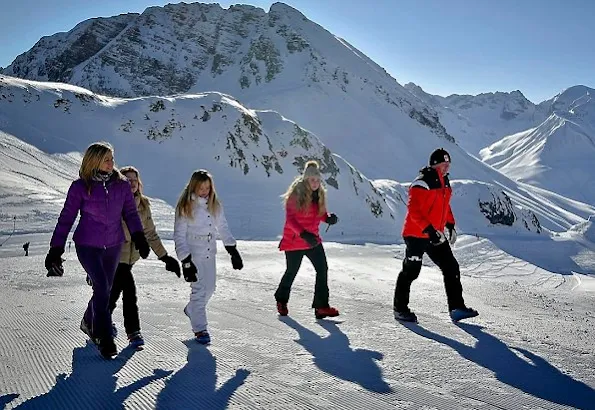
x=310 y=238
x=140 y=243
x=436 y=237
x=53 y=261
x=171 y=264
x=236 y=259
x=332 y=219
x=189 y=270
x=451 y=233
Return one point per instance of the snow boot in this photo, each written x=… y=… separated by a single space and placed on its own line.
x=135 y=339
x=85 y=329
x=107 y=348
x=282 y=309
x=203 y=337
x=462 y=313
x=405 y=316
x=328 y=311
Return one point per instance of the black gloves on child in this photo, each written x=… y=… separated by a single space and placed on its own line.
x=140 y=243
x=189 y=269
x=332 y=219
x=310 y=238
x=171 y=264
x=236 y=259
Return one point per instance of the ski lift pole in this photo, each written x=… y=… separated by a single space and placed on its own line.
x=14 y=227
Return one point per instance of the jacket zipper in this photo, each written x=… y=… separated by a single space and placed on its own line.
x=106 y=205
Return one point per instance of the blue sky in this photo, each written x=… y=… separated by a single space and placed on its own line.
x=446 y=46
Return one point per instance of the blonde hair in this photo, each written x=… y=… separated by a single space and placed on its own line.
x=144 y=201
x=92 y=160
x=184 y=205
x=302 y=193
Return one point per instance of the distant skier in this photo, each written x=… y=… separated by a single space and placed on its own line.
x=103 y=197
x=124 y=281
x=305 y=209
x=26 y=248
x=428 y=214
x=199 y=219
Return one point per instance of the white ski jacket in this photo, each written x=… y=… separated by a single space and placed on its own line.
x=197 y=236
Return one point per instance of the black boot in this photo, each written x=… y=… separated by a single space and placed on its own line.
x=107 y=348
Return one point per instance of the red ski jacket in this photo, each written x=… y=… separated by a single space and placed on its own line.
x=428 y=204
x=298 y=221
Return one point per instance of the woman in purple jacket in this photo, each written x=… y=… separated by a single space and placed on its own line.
x=102 y=196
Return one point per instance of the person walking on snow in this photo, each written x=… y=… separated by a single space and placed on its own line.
x=103 y=197
x=428 y=215
x=124 y=281
x=305 y=208
x=199 y=218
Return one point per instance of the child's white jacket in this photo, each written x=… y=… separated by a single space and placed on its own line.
x=197 y=236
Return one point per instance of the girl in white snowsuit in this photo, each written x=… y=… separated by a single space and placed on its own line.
x=199 y=220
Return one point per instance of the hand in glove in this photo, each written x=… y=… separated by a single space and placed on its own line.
x=310 y=238
x=451 y=233
x=189 y=269
x=171 y=264
x=436 y=237
x=140 y=243
x=332 y=219
x=236 y=259
x=53 y=261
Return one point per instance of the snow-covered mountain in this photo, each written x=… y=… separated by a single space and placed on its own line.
x=557 y=154
x=254 y=155
x=278 y=60
x=476 y=121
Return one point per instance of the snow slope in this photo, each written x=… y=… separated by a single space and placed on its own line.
x=531 y=346
x=254 y=155
x=556 y=155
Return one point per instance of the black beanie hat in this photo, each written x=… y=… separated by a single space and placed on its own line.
x=439 y=156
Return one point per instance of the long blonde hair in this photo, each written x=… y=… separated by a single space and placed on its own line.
x=184 y=205
x=144 y=201
x=301 y=192
x=92 y=159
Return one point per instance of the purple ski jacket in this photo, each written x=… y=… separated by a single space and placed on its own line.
x=100 y=225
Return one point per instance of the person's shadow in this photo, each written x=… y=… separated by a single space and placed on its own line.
x=333 y=355
x=195 y=385
x=534 y=376
x=92 y=383
x=7 y=398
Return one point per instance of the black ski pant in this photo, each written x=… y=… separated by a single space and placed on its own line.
x=442 y=256
x=294 y=261
x=124 y=285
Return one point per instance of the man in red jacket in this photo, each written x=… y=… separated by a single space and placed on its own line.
x=428 y=214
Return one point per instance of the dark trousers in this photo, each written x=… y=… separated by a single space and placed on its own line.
x=124 y=285
x=294 y=261
x=442 y=256
x=100 y=264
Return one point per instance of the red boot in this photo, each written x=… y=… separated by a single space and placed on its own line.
x=282 y=309
x=321 y=313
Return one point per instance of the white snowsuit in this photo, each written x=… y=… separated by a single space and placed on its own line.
x=197 y=237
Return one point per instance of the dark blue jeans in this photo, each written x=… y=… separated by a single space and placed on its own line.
x=100 y=264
